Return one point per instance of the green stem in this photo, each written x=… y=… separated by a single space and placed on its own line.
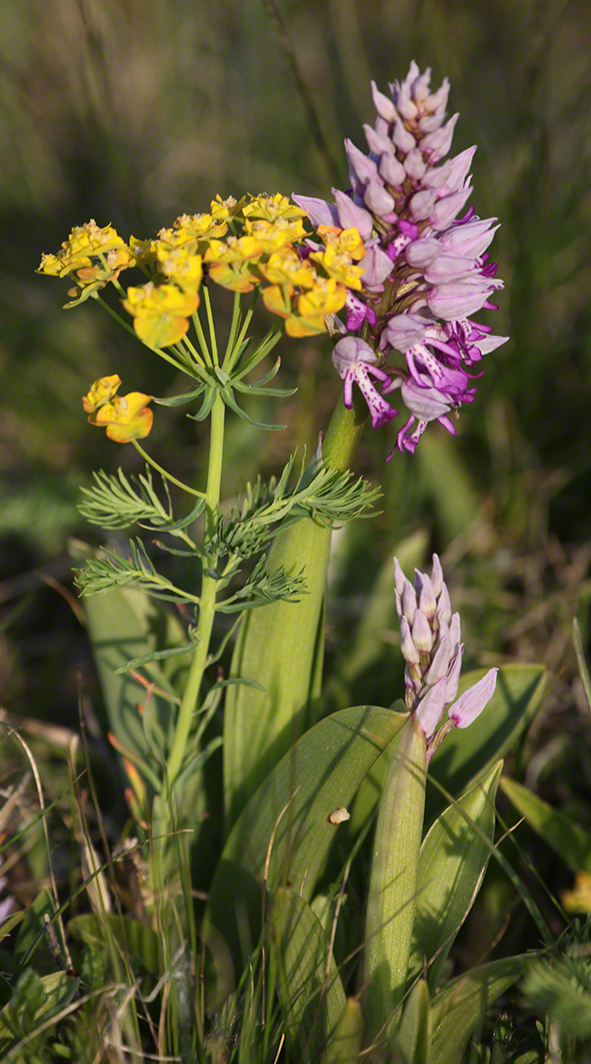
x=167 y=476
x=243 y=330
x=208 y=596
x=156 y=350
x=201 y=337
x=211 y=326
x=233 y=329
x=344 y=432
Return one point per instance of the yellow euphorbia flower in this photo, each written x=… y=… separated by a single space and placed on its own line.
x=278 y=299
x=192 y=227
x=126 y=418
x=272 y=207
x=234 y=249
x=286 y=267
x=346 y=241
x=230 y=262
x=101 y=392
x=327 y=297
x=160 y=312
x=223 y=208
x=181 y=266
x=143 y=251
x=339 y=265
x=274 y=235
x=85 y=243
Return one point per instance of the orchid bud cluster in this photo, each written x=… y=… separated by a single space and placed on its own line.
x=430 y=640
x=425 y=270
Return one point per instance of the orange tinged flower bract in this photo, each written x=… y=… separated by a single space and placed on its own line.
x=125 y=417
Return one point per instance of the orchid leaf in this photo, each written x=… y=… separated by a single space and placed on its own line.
x=276 y=645
x=310 y=988
x=452 y=863
x=285 y=827
x=345 y=1043
x=413 y=1037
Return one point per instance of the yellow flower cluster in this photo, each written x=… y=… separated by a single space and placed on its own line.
x=93 y=254
x=241 y=244
x=125 y=417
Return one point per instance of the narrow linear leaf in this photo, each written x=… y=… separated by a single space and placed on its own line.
x=136 y=939
x=156 y=655
x=567 y=838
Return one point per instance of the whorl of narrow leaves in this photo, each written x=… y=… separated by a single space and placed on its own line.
x=119 y=501
x=263 y=586
x=328 y=497
x=109 y=570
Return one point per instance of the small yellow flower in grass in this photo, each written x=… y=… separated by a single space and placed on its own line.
x=101 y=392
x=578 y=900
x=346 y=241
x=160 y=312
x=127 y=418
x=286 y=267
x=181 y=266
x=274 y=235
x=272 y=207
x=339 y=265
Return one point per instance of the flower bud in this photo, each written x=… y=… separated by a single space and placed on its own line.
x=421 y=633
x=407 y=645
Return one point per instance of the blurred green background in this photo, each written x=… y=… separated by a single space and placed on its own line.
x=133 y=111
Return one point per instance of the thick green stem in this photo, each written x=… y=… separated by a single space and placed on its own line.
x=281 y=645
x=208 y=597
x=344 y=432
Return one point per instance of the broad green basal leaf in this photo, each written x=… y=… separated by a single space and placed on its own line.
x=291 y=821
